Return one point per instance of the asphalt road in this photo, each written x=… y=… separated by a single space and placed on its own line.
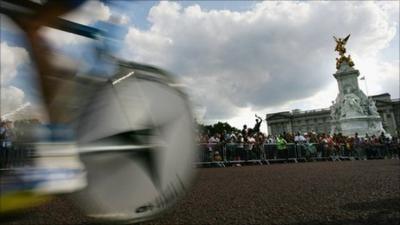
x=351 y=192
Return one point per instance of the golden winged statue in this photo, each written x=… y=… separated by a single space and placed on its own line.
x=340 y=44
x=340 y=47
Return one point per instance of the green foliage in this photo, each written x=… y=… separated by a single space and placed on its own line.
x=217 y=128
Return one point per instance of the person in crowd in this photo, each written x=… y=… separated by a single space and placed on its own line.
x=249 y=146
x=313 y=138
x=230 y=145
x=233 y=137
x=359 y=147
x=382 y=138
x=375 y=147
x=288 y=137
x=202 y=138
x=240 y=153
x=299 y=139
x=257 y=126
x=213 y=145
x=212 y=141
x=225 y=137
x=256 y=145
x=350 y=146
x=395 y=147
x=259 y=146
x=384 y=142
x=271 y=139
x=10 y=134
x=204 y=147
x=310 y=148
x=2 y=134
x=217 y=156
x=328 y=144
x=244 y=131
x=281 y=147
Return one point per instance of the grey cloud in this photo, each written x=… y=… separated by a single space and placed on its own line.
x=259 y=58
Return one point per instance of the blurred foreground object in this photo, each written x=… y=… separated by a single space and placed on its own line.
x=136 y=139
x=120 y=143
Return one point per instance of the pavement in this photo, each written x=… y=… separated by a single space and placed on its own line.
x=347 y=192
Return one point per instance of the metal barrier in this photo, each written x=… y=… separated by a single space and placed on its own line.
x=228 y=154
x=15 y=155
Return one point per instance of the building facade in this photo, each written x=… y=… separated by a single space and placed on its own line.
x=319 y=120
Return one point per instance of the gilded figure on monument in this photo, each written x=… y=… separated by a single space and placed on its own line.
x=340 y=44
x=340 y=47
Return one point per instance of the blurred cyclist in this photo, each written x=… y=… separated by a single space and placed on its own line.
x=57 y=168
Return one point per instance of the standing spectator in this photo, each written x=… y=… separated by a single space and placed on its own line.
x=384 y=142
x=310 y=148
x=259 y=147
x=213 y=139
x=204 y=138
x=299 y=139
x=8 y=135
x=240 y=153
x=233 y=137
x=250 y=142
x=213 y=145
x=271 y=139
x=226 y=136
x=282 y=148
x=382 y=138
x=230 y=146
x=257 y=126
x=327 y=144
x=358 y=147
x=2 y=134
x=350 y=146
x=244 y=131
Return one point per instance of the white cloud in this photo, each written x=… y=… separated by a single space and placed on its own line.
x=381 y=76
x=86 y=14
x=120 y=19
x=277 y=53
x=11 y=59
x=11 y=99
x=90 y=12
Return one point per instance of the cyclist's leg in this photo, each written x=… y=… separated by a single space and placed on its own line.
x=56 y=136
x=41 y=53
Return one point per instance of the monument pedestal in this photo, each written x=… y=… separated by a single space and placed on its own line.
x=353 y=112
x=362 y=125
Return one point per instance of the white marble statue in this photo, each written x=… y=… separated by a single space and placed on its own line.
x=335 y=111
x=372 y=110
x=351 y=106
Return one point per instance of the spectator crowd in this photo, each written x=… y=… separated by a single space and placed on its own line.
x=249 y=142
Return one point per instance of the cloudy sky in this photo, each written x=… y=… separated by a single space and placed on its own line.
x=234 y=58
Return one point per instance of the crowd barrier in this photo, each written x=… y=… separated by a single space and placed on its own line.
x=15 y=155
x=227 y=154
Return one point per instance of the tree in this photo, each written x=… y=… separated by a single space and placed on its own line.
x=219 y=127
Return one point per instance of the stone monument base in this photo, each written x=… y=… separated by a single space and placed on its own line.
x=362 y=125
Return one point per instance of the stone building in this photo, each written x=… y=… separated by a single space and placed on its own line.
x=389 y=110
x=319 y=120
